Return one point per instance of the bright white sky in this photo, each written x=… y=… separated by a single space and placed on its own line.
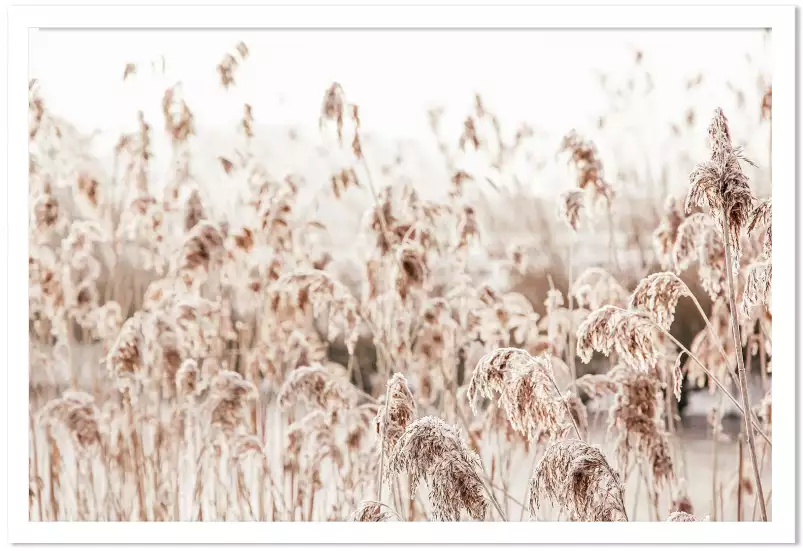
x=545 y=76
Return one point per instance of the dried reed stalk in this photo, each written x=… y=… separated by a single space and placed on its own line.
x=723 y=187
x=392 y=419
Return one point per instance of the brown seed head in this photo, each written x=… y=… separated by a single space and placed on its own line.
x=720 y=185
x=433 y=451
x=578 y=478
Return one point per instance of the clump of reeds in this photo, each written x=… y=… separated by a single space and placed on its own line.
x=635 y=419
x=577 y=477
x=317 y=388
x=525 y=389
x=317 y=289
x=245 y=364
x=433 y=451
x=629 y=334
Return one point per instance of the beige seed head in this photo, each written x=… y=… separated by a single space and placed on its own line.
x=720 y=185
x=434 y=451
x=401 y=411
x=578 y=478
x=373 y=511
x=570 y=204
x=629 y=334
x=317 y=388
x=524 y=388
x=680 y=516
x=658 y=295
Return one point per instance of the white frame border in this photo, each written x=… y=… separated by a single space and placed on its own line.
x=781 y=19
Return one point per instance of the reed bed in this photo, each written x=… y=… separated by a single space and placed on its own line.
x=190 y=366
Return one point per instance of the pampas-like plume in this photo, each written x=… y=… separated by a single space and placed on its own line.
x=400 y=412
x=201 y=251
x=629 y=334
x=698 y=240
x=225 y=406
x=758 y=287
x=230 y=62
x=434 y=451
x=124 y=360
x=570 y=204
x=525 y=388
x=685 y=247
x=308 y=442
x=585 y=158
x=373 y=511
x=665 y=235
x=763 y=216
x=720 y=184
x=317 y=388
x=334 y=107
x=635 y=418
x=711 y=256
x=680 y=516
x=77 y=413
x=324 y=294
x=595 y=287
x=658 y=294
x=579 y=479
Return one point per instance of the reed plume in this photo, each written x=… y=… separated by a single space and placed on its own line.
x=577 y=477
x=317 y=388
x=372 y=511
x=393 y=418
x=433 y=451
x=659 y=294
x=635 y=419
x=680 y=516
x=525 y=389
x=629 y=334
x=720 y=184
